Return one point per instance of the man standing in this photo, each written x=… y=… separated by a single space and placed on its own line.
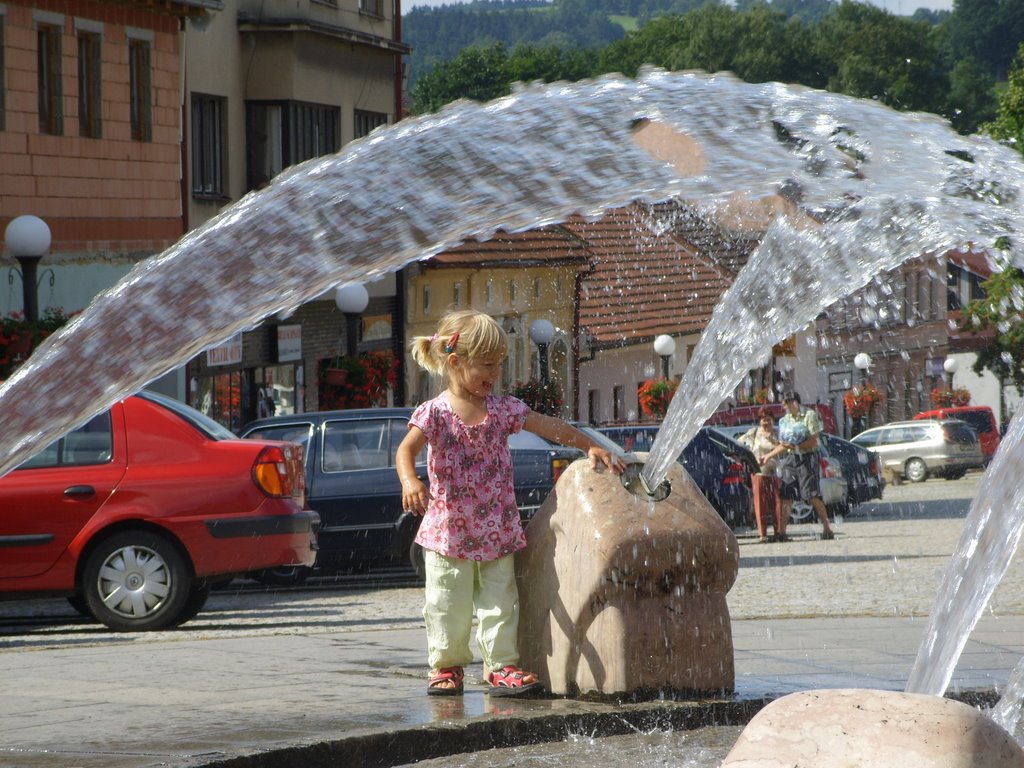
x=798 y=462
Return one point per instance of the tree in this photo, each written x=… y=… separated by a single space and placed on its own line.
x=987 y=30
x=1008 y=126
x=971 y=100
x=476 y=73
x=1001 y=311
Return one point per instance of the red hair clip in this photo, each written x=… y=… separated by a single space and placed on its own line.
x=450 y=346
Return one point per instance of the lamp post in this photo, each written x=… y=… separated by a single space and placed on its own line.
x=28 y=239
x=949 y=366
x=542 y=333
x=665 y=346
x=352 y=300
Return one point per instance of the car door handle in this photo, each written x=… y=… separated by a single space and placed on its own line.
x=79 y=491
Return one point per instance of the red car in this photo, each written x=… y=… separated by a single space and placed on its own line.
x=135 y=513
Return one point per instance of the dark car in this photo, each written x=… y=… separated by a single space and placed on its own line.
x=352 y=483
x=720 y=467
x=134 y=514
x=861 y=468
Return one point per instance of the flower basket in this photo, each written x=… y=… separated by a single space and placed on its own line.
x=544 y=398
x=945 y=397
x=860 y=400
x=655 y=395
x=19 y=337
x=357 y=382
x=336 y=377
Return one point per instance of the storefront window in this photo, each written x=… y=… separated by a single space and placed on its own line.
x=220 y=397
x=276 y=391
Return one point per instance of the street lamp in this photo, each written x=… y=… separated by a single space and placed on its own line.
x=949 y=366
x=665 y=346
x=28 y=239
x=862 y=361
x=542 y=333
x=352 y=300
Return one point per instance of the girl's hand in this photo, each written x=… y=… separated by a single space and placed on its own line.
x=599 y=455
x=415 y=496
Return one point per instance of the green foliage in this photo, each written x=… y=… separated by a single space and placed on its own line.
x=848 y=47
x=988 y=31
x=1002 y=312
x=1008 y=125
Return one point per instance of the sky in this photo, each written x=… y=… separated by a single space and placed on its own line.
x=899 y=7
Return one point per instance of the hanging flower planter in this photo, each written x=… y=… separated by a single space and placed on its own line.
x=542 y=398
x=655 y=395
x=860 y=400
x=944 y=397
x=336 y=377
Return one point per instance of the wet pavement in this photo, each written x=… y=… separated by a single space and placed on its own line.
x=337 y=677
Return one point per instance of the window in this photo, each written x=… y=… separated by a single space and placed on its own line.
x=489 y=292
x=457 y=295
x=367 y=121
x=426 y=299
x=51 y=115
x=536 y=288
x=512 y=292
x=354 y=444
x=208 y=145
x=618 y=402
x=89 y=78
x=278 y=135
x=140 y=91
x=372 y=7
x=90 y=444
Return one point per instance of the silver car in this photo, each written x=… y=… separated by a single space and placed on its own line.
x=918 y=450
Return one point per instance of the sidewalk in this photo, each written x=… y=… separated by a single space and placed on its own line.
x=338 y=679
x=204 y=702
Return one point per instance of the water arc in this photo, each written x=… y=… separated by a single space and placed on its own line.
x=843 y=187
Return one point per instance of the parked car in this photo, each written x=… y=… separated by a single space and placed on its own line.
x=831 y=480
x=134 y=514
x=861 y=468
x=919 y=449
x=719 y=466
x=979 y=417
x=352 y=483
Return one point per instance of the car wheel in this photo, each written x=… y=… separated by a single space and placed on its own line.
x=283 y=576
x=801 y=512
x=417 y=560
x=77 y=602
x=916 y=471
x=136 y=581
x=196 y=601
x=956 y=475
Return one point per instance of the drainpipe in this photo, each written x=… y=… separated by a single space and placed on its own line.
x=396 y=26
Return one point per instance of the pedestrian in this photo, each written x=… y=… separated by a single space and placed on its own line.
x=797 y=454
x=471 y=527
x=762 y=440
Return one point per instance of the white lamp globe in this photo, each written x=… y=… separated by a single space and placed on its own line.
x=542 y=331
x=950 y=365
x=862 y=361
x=27 y=236
x=664 y=345
x=352 y=299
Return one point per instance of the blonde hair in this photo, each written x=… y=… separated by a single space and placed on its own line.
x=467 y=333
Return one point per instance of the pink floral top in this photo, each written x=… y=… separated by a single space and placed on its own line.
x=472 y=514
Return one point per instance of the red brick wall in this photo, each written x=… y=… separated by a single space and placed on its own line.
x=107 y=194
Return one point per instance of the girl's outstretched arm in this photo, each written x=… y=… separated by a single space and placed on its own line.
x=415 y=495
x=563 y=433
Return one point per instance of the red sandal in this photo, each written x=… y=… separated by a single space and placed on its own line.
x=436 y=684
x=510 y=680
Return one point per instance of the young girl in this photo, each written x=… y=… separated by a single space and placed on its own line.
x=471 y=529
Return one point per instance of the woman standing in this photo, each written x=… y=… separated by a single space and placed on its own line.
x=762 y=440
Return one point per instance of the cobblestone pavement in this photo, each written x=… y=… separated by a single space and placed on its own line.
x=887 y=560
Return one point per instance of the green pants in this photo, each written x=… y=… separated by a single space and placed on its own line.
x=456 y=591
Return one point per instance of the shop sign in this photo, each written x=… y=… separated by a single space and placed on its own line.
x=289 y=343
x=226 y=353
